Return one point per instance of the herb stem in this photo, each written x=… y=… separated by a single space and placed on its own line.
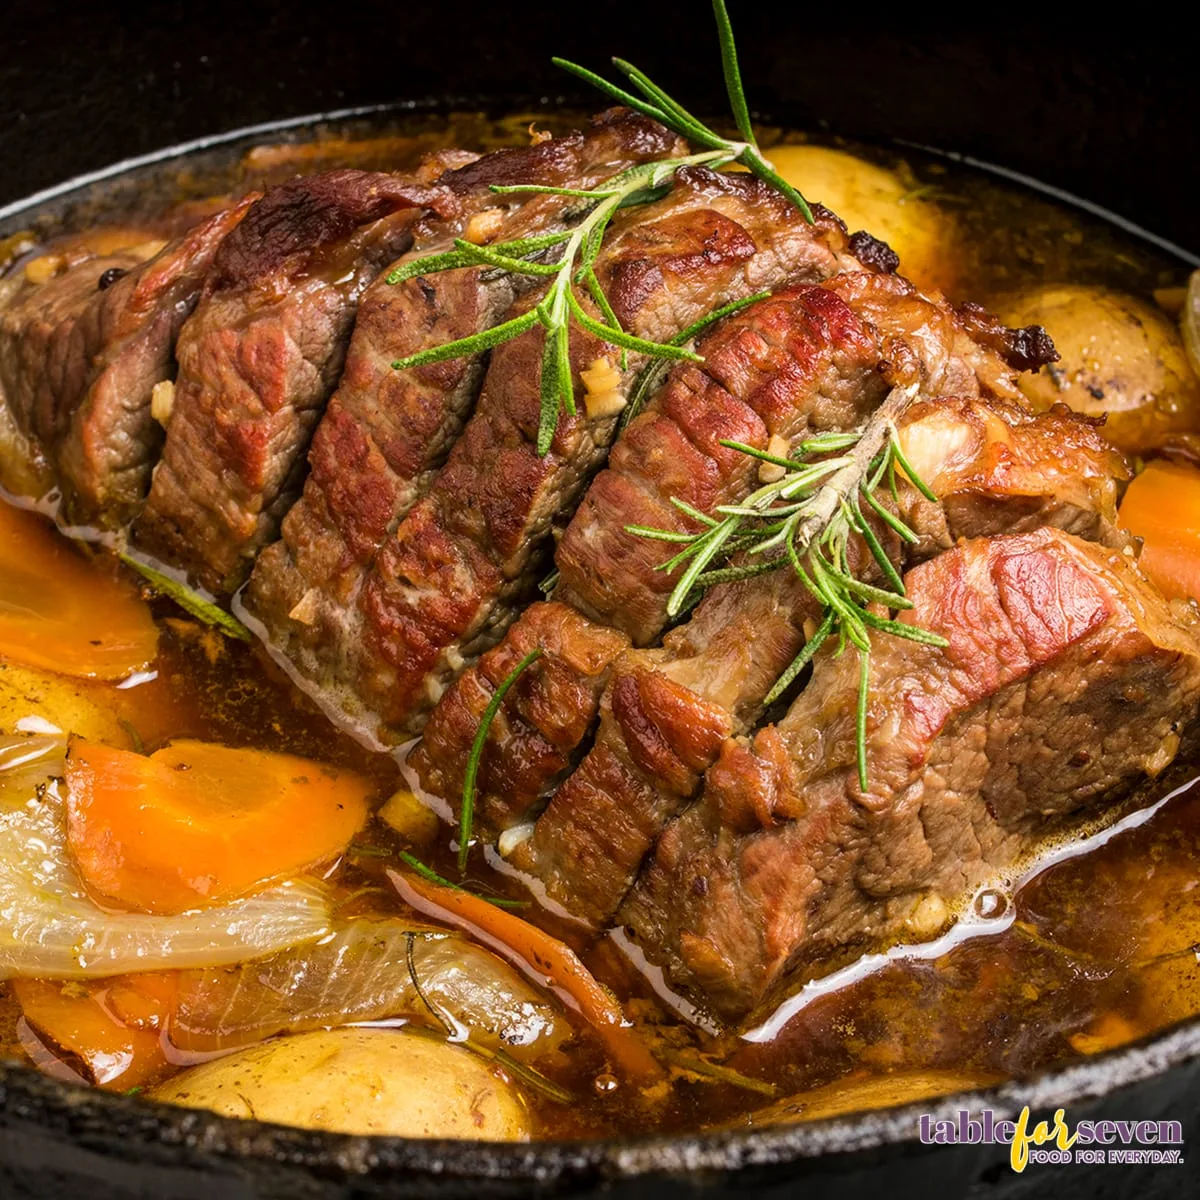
x=467 y=812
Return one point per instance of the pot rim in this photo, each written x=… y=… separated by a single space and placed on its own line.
x=32 y=1097
x=491 y=102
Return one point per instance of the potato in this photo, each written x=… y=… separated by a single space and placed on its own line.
x=873 y=198
x=32 y=700
x=1119 y=356
x=367 y=1081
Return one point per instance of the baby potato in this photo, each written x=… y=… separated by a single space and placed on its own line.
x=873 y=198
x=33 y=701
x=364 y=1081
x=1119 y=356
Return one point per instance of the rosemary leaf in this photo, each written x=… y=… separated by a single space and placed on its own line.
x=717 y=314
x=618 y=337
x=889 y=518
x=801 y=660
x=733 y=77
x=550 y=396
x=877 y=551
x=659 y=535
x=716 y=538
x=646 y=196
x=430 y=265
x=475 y=344
x=515 y=189
x=696 y=515
x=650 y=380
x=435 y=1012
x=429 y=873
x=754 y=452
x=757 y=165
x=487 y=256
x=825 y=442
x=519 y=247
x=190 y=601
x=874 y=595
x=912 y=633
x=531 y=1077
x=910 y=470
x=719 y=1073
x=467 y=813
x=684 y=122
x=736 y=574
x=860 y=717
x=620 y=95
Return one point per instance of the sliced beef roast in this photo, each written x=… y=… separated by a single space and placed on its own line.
x=449 y=581
x=995 y=468
x=533 y=741
x=613 y=575
x=259 y=358
x=832 y=369
x=80 y=355
x=794 y=362
x=385 y=433
x=1067 y=678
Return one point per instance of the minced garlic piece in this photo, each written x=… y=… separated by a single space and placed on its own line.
x=773 y=472
x=305 y=609
x=511 y=838
x=162 y=401
x=929 y=915
x=538 y=136
x=602 y=383
x=44 y=268
x=483 y=226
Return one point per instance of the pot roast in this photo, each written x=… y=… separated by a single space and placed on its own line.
x=400 y=546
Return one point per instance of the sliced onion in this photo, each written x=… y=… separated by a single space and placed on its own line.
x=361 y=973
x=28 y=761
x=1190 y=322
x=49 y=928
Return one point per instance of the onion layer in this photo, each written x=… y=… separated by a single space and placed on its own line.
x=50 y=929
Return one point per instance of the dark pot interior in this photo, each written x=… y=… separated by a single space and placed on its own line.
x=1097 y=111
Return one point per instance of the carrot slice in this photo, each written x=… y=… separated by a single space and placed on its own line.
x=197 y=823
x=1162 y=507
x=63 y=613
x=540 y=955
x=80 y=1021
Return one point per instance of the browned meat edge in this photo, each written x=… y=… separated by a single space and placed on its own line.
x=79 y=356
x=260 y=356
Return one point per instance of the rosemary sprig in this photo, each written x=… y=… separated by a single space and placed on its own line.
x=807 y=519
x=656 y=104
x=719 y=1073
x=466 y=818
x=427 y=872
x=190 y=601
x=567 y=258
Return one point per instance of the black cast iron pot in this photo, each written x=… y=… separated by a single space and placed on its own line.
x=1100 y=111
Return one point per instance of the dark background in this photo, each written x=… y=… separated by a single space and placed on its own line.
x=1106 y=110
